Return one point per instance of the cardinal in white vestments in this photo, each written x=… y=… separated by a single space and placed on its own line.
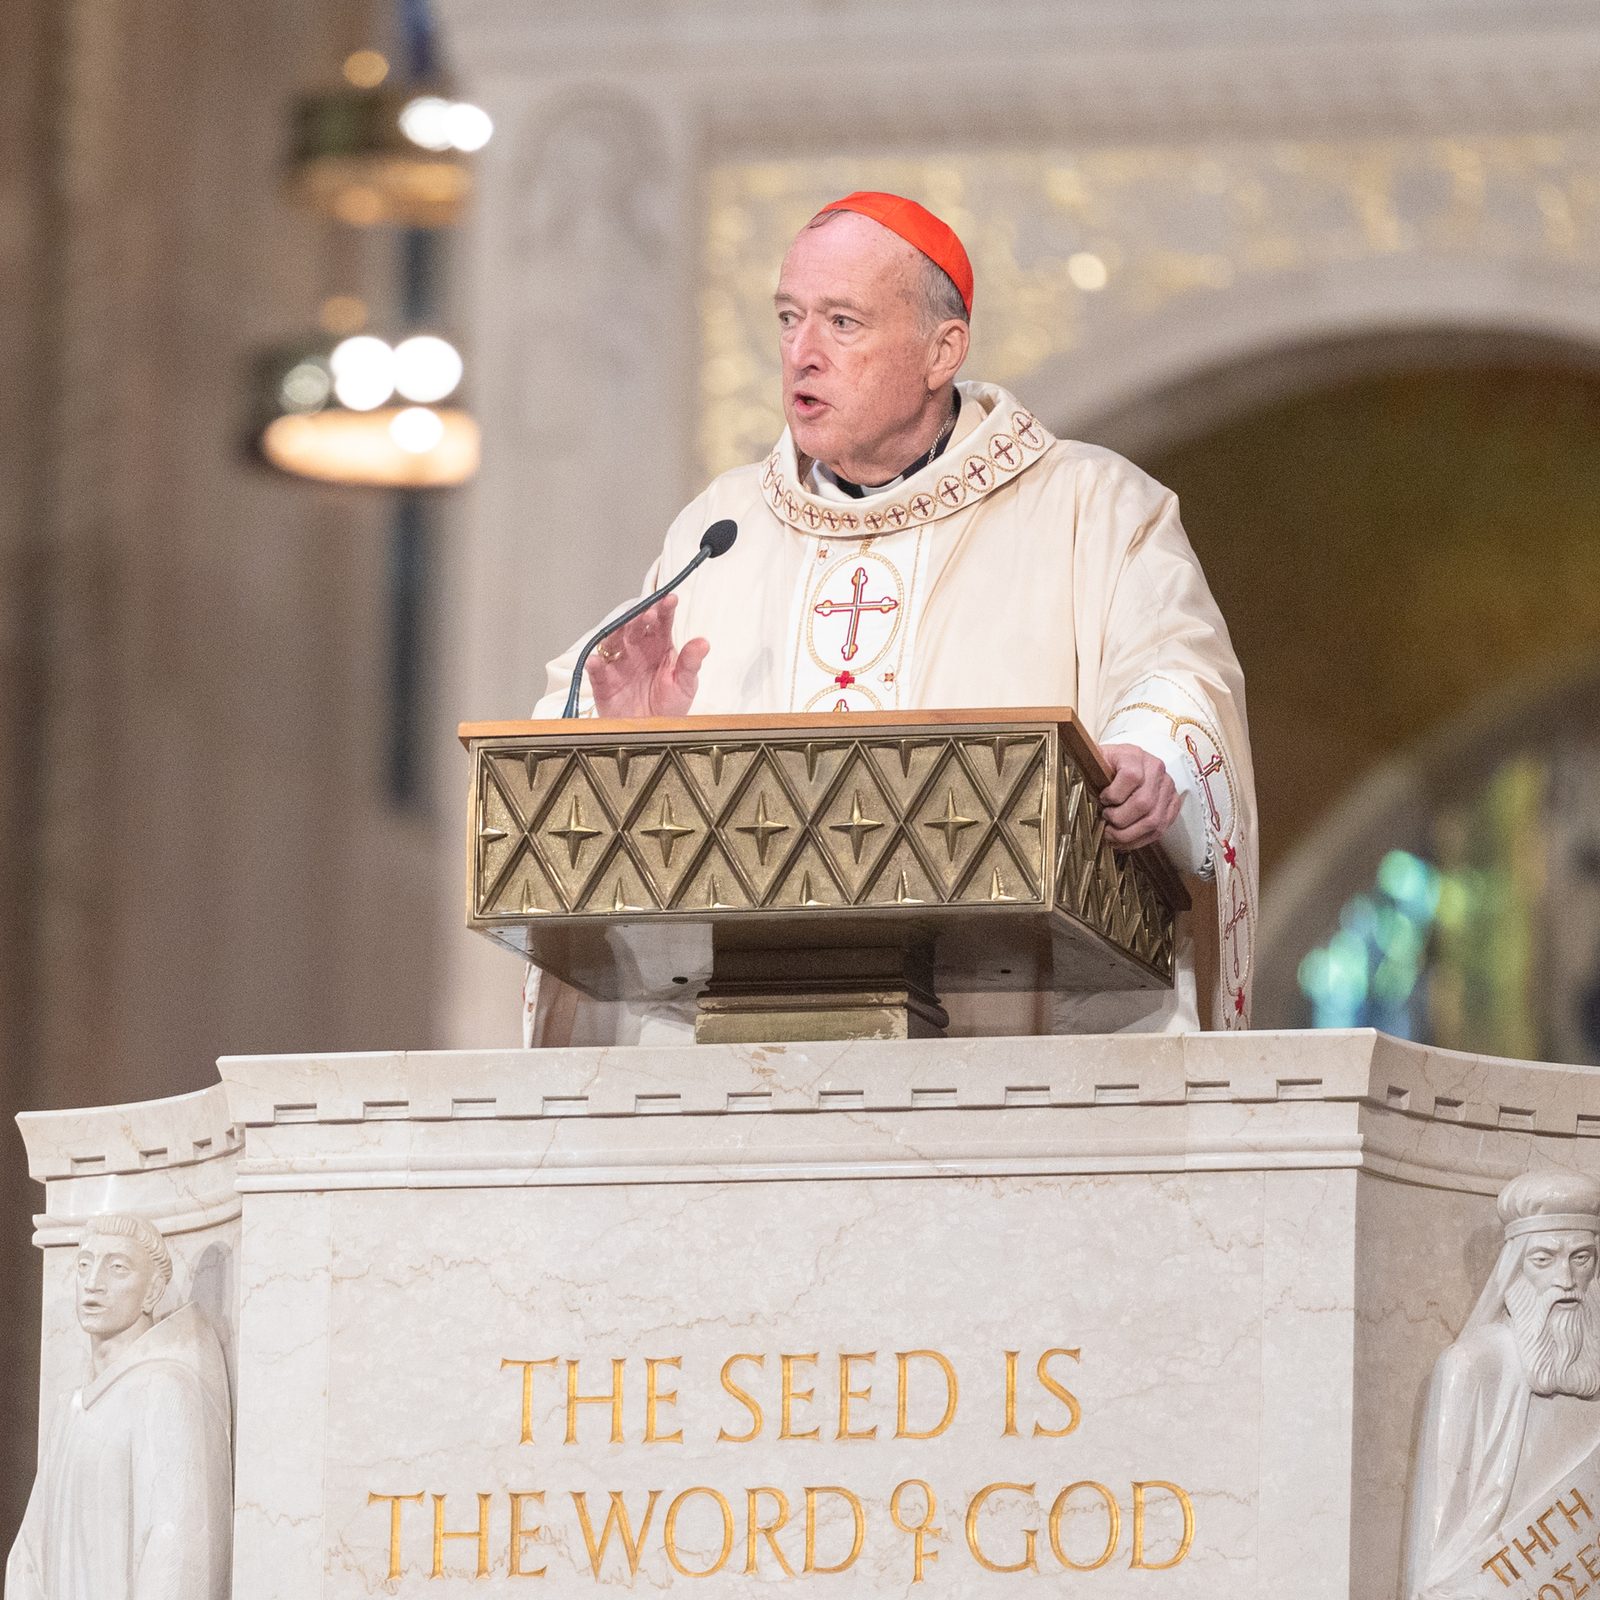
x=914 y=542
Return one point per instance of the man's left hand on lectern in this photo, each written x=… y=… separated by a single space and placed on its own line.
x=637 y=672
x=1141 y=802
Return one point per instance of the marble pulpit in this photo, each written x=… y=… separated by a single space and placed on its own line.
x=1149 y=1315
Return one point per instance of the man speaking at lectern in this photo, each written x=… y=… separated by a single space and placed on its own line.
x=916 y=543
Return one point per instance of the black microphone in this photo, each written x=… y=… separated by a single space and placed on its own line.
x=717 y=540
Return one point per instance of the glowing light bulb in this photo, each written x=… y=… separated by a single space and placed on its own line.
x=426 y=368
x=363 y=372
x=469 y=127
x=425 y=121
x=305 y=386
x=1087 y=271
x=365 y=69
x=417 y=430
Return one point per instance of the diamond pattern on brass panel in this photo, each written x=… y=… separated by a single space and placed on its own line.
x=903 y=880
x=762 y=829
x=903 y=765
x=499 y=839
x=810 y=767
x=619 y=889
x=951 y=822
x=668 y=830
x=574 y=834
x=715 y=770
x=1080 y=887
x=998 y=760
x=1105 y=888
x=714 y=886
x=525 y=890
x=621 y=775
x=857 y=827
x=997 y=878
x=526 y=777
x=886 y=822
x=807 y=881
x=1023 y=822
x=1156 y=935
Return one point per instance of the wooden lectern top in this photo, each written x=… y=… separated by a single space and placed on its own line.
x=797 y=722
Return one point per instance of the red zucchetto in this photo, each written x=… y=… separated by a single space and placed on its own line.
x=918 y=227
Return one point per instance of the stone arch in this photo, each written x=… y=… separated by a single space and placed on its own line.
x=1144 y=382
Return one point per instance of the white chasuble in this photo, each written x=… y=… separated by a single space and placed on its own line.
x=1015 y=569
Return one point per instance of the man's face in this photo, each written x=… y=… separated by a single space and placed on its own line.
x=1554 y=1318
x=856 y=354
x=115 y=1278
x=1561 y=1266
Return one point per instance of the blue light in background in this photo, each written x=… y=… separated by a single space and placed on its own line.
x=1371 y=973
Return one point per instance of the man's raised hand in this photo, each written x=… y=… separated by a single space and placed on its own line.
x=638 y=673
x=1141 y=802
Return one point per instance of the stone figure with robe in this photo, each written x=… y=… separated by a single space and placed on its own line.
x=1514 y=1403
x=914 y=542
x=134 y=1494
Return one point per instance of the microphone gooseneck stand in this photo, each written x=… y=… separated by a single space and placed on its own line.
x=715 y=541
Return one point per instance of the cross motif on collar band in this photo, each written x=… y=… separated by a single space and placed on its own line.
x=853 y=607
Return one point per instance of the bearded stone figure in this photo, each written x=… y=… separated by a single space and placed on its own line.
x=1511 y=1408
x=134 y=1495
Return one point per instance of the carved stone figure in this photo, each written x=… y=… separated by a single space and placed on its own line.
x=134 y=1495
x=1511 y=1410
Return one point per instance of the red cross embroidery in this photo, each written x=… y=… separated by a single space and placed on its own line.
x=873 y=520
x=895 y=516
x=1002 y=449
x=1238 y=911
x=951 y=489
x=922 y=506
x=978 y=472
x=1238 y=1001
x=832 y=520
x=845 y=679
x=1025 y=430
x=813 y=517
x=1229 y=854
x=771 y=473
x=1206 y=773
x=853 y=607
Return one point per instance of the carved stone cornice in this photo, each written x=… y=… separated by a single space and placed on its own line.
x=1048 y=70
x=171 y=1161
